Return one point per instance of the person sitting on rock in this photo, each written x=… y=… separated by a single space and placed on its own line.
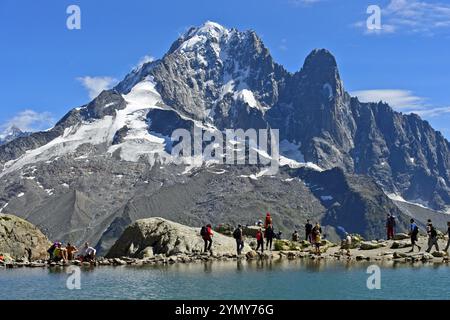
x=448 y=235
x=51 y=250
x=346 y=244
x=238 y=235
x=87 y=253
x=414 y=232
x=260 y=240
x=317 y=239
x=295 y=236
x=71 y=250
x=207 y=234
x=60 y=253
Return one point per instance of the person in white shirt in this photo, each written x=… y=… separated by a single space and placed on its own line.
x=87 y=253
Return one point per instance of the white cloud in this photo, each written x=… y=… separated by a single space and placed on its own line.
x=283 y=46
x=402 y=100
x=412 y=16
x=29 y=120
x=95 y=85
x=144 y=60
x=398 y=99
x=303 y=2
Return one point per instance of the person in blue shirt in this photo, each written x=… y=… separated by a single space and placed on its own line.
x=414 y=232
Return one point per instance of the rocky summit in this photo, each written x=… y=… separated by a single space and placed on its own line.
x=343 y=163
x=19 y=239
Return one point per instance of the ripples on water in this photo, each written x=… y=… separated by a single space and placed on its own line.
x=300 y=279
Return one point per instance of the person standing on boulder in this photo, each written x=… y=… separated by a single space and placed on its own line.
x=238 y=235
x=432 y=238
x=260 y=240
x=207 y=234
x=390 y=226
x=414 y=232
x=308 y=230
x=269 y=234
x=268 y=220
x=317 y=237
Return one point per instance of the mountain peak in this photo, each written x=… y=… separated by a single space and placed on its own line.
x=320 y=58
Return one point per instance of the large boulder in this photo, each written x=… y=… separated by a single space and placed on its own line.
x=369 y=245
x=167 y=237
x=22 y=240
x=401 y=236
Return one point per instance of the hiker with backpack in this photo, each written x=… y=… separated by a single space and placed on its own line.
x=432 y=238
x=260 y=240
x=308 y=230
x=317 y=237
x=448 y=235
x=207 y=234
x=414 y=232
x=390 y=226
x=269 y=234
x=238 y=236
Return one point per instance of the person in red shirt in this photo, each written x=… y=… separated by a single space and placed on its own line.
x=260 y=240
x=268 y=220
x=207 y=235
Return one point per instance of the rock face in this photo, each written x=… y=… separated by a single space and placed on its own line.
x=95 y=170
x=22 y=240
x=160 y=236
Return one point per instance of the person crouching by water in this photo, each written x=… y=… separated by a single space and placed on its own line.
x=260 y=240
x=87 y=253
x=295 y=236
x=71 y=250
x=51 y=250
x=238 y=235
x=448 y=235
x=207 y=234
x=269 y=234
x=414 y=232
x=317 y=238
x=60 y=253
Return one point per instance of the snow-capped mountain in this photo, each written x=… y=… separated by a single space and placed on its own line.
x=108 y=163
x=11 y=134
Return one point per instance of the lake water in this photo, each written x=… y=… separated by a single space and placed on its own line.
x=231 y=280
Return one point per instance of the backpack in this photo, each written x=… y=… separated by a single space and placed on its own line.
x=204 y=231
x=237 y=234
x=415 y=230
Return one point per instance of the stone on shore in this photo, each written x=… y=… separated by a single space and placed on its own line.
x=169 y=238
x=401 y=236
x=369 y=245
x=22 y=240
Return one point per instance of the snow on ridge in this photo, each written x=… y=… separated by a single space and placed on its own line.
x=246 y=96
x=416 y=202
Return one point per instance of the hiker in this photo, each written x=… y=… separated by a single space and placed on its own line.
x=278 y=235
x=60 y=253
x=308 y=230
x=448 y=235
x=414 y=232
x=87 y=253
x=295 y=236
x=71 y=250
x=259 y=223
x=390 y=226
x=260 y=240
x=238 y=235
x=269 y=234
x=207 y=234
x=51 y=250
x=268 y=220
x=316 y=236
x=432 y=238
x=346 y=244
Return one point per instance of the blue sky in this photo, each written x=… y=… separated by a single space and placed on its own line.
x=48 y=69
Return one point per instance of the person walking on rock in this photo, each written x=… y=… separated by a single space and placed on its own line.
x=260 y=240
x=448 y=235
x=390 y=226
x=269 y=234
x=308 y=230
x=432 y=238
x=238 y=235
x=414 y=232
x=207 y=234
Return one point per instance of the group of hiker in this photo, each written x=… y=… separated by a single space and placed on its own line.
x=60 y=253
x=264 y=237
x=431 y=230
